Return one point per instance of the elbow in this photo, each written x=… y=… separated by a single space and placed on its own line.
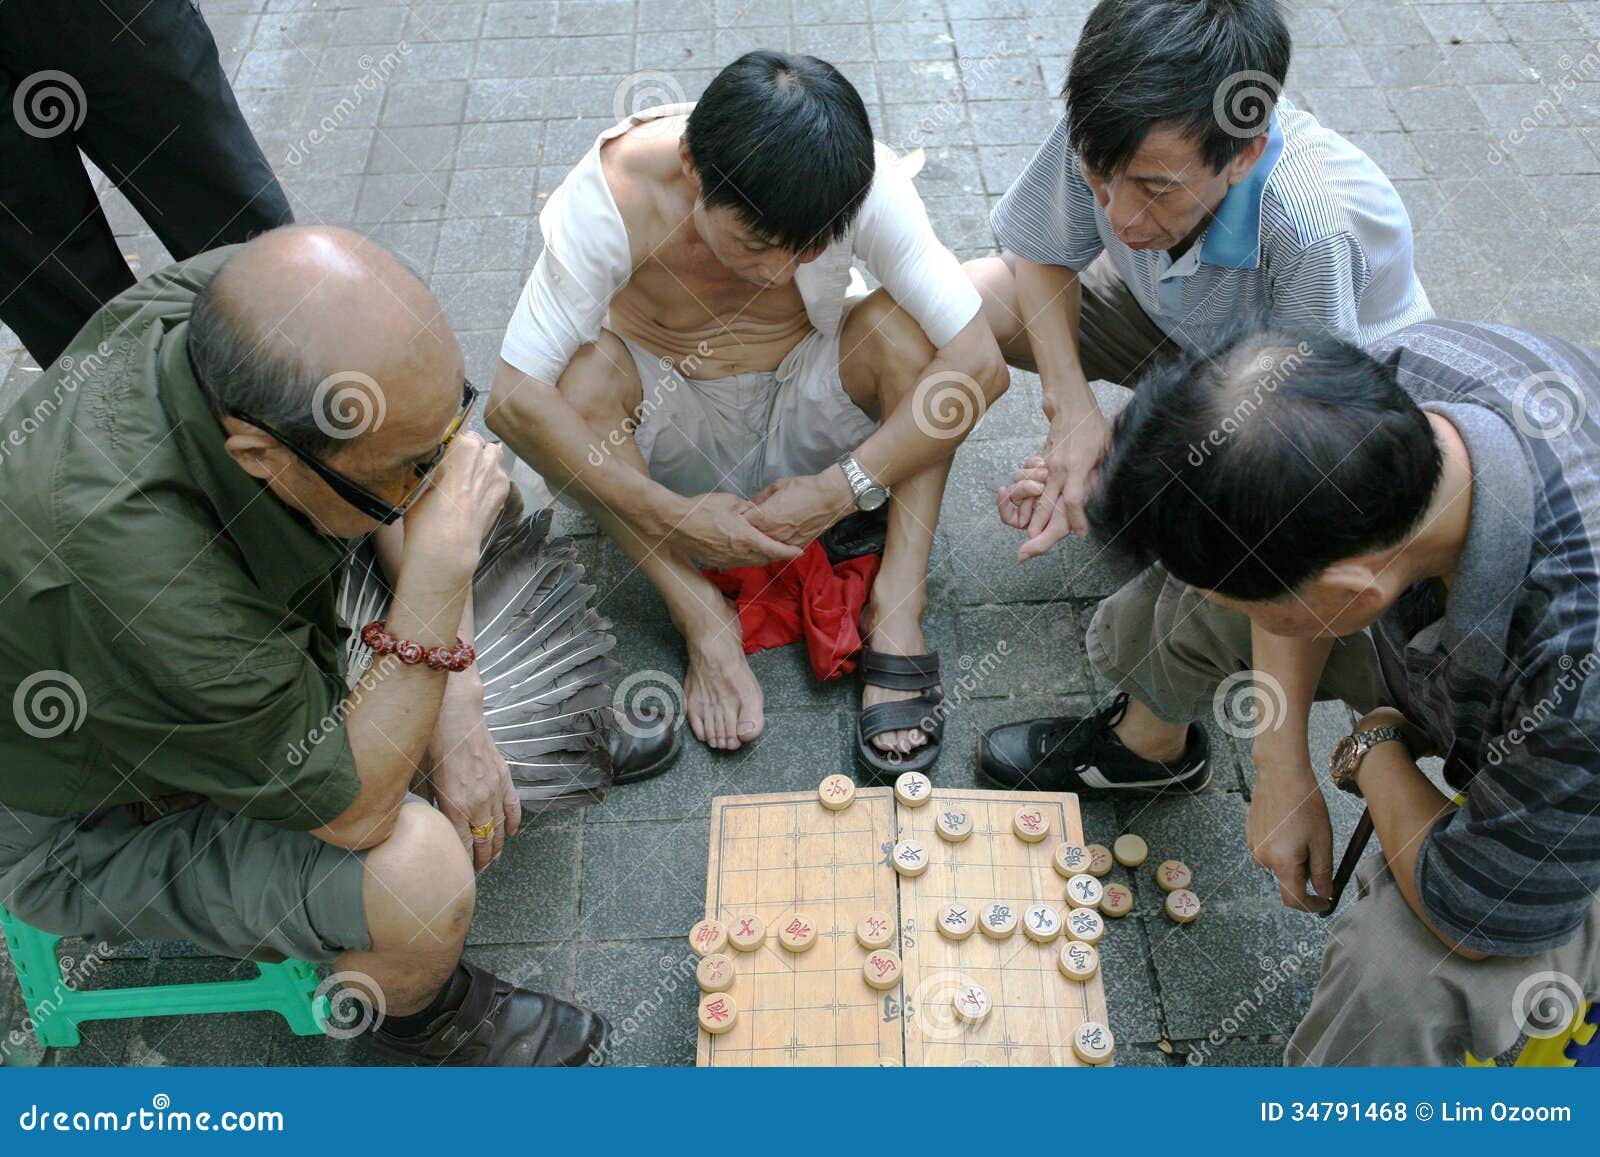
x=501 y=415
x=993 y=375
x=514 y=402
x=1462 y=951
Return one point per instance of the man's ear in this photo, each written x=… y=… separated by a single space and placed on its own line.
x=686 y=162
x=258 y=453
x=1358 y=582
x=1246 y=160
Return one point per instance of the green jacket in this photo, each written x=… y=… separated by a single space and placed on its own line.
x=166 y=624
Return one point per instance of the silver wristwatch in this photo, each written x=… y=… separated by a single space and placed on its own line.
x=869 y=495
x=1352 y=749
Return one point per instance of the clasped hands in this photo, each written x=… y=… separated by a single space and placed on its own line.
x=723 y=530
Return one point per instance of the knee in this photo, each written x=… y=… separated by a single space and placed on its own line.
x=423 y=875
x=1379 y=950
x=890 y=342
x=601 y=382
x=995 y=283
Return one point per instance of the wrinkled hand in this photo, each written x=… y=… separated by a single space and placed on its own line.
x=463 y=497
x=718 y=532
x=1288 y=832
x=1048 y=509
x=471 y=782
x=797 y=510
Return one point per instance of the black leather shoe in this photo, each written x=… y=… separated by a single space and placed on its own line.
x=499 y=1025
x=1081 y=753
x=644 y=742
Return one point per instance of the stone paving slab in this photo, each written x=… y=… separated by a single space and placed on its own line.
x=445 y=146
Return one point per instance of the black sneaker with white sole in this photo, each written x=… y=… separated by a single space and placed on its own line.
x=1080 y=753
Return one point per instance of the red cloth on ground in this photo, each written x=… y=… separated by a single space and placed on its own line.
x=806 y=598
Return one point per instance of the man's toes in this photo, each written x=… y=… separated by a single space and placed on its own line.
x=730 y=726
x=697 y=723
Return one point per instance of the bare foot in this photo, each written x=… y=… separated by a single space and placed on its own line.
x=722 y=698
x=896 y=633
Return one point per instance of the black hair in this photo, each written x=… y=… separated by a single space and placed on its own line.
x=1212 y=68
x=784 y=141
x=1250 y=468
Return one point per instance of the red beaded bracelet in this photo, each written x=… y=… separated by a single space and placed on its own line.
x=457 y=658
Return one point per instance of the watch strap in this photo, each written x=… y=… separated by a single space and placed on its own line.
x=1365 y=741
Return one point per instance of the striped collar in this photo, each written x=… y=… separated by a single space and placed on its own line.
x=1233 y=240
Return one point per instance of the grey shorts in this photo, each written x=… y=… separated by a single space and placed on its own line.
x=234 y=886
x=736 y=435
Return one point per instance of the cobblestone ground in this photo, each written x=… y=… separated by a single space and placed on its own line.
x=441 y=127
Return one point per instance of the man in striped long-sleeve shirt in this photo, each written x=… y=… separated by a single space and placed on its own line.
x=1419 y=528
x=1178 y=195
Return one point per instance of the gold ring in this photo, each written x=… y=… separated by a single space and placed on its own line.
x=484 y=831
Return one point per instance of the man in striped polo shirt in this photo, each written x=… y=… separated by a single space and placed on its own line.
x=1178 y=194
x=1419 y=528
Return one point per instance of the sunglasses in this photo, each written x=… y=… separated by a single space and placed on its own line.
x=359 y=496
x=353 y=492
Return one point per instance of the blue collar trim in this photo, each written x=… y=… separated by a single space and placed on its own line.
x=1233 y=239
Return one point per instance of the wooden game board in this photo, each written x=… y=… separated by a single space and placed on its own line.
x=773 y=854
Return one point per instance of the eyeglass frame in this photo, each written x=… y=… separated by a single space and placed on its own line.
x=352 y=492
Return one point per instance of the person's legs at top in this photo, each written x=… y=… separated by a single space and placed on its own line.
x=164 y=125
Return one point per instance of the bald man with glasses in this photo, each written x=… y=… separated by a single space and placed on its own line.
x=183 y=496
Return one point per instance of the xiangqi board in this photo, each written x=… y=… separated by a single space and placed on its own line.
x=785 y=856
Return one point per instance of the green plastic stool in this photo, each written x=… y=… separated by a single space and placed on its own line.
x=288 y=989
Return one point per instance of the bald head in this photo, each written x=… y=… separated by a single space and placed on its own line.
x=303 y=305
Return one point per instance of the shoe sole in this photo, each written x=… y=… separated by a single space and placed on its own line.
x=1185 y=786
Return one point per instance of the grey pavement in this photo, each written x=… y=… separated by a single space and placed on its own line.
x=441 y=127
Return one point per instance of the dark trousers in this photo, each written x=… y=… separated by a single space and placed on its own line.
x=138 y=87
